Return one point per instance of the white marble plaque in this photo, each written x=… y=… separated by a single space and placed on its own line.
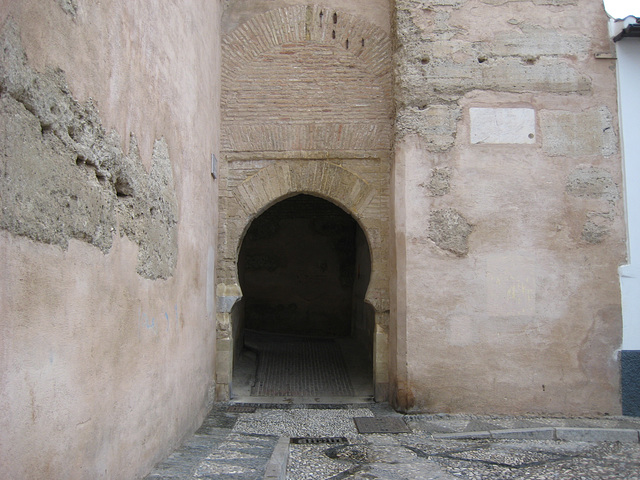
x=503 y=125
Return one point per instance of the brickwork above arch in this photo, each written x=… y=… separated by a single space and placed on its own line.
x=306 y=78
x=370 y=45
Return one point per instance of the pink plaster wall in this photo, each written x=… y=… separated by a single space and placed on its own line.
x=103 y=372
x=529 y=319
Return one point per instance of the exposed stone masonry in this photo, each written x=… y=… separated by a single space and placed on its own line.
x=450 y=231
x=589 y=182
x=63 y=176
x=437 y=67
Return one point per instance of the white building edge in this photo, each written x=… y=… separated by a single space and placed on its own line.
x=625 y=32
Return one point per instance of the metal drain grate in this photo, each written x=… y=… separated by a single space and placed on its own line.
x=241 y=409
x=318 y=440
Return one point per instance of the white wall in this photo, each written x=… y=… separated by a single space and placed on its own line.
x=628 y=54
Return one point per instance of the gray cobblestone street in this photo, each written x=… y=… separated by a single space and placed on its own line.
x=252 y=442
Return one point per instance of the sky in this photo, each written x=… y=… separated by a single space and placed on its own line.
x=622 y=8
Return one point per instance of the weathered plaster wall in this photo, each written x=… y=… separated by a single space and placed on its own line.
x=507 y=208
x=109 y=115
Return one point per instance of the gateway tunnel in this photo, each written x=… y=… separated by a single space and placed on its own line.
x=305 y=330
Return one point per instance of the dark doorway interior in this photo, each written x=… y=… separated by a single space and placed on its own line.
x=304 y=268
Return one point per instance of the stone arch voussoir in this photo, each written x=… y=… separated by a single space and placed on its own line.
x=325 y=179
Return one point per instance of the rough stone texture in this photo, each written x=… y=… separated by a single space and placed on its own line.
x=572 y=134
x=436 y=124
x=589 y=182
x=595 y=231
x=69 y=6
x=536 y=2
x=62 y=176
x=592 y=182
x=440 y=181
x=450 y=231
x=435 y=65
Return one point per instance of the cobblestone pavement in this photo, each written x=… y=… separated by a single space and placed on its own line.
x=246 y=444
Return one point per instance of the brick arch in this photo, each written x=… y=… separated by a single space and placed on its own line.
x=302 y=23
x=307 y=107
x=255 y=194
x=277 y=181
x=373 y=297
x=325 y=179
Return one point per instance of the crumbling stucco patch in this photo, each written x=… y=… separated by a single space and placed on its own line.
x=578 y=133
x=44 y=195
x=436 y=124
x=439 y=182
x=587 y=181
x=533 y=41
x=535 y=2
x=69 y=7
x=149 y=213
x=446 y=3
x=450 y=231
x=595 y=231
x=593 y=182
x=63 y=176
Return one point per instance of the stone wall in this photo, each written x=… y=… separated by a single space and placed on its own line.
x=507 y=208
x=249 y=187
x=307 y=100
x=108 y=118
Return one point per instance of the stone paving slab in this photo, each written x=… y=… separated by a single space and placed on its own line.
x=545 y=433
x=276 y=468
x=597 y=434
x=247 y=446
x=561 y=433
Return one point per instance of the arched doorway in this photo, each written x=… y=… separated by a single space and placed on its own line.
x=304 y=267
x=324 y=137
